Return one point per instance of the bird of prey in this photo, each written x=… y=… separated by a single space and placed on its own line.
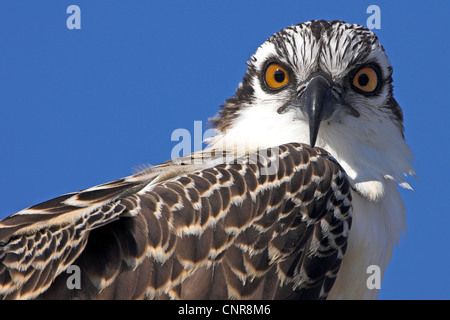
x=294 y=197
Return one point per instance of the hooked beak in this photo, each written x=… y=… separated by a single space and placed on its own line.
x=318 y=103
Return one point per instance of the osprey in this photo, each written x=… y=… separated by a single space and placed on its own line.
x=294 y=198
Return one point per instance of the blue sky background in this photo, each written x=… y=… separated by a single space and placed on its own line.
x=83 y=107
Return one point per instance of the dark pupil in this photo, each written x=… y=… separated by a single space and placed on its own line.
x=279 y=76
x=363 y=80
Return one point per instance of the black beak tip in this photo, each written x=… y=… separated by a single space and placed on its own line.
x=312 y=140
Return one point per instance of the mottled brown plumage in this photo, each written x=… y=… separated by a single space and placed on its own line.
x=227 y=231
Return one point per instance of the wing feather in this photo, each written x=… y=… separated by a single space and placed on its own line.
x=208 y=230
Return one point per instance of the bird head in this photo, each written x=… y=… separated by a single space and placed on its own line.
x=326 y=84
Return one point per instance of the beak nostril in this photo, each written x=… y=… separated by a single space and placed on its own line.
x=300 y=90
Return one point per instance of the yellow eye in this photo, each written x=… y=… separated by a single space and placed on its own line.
x=366 y=80
x=276 y=76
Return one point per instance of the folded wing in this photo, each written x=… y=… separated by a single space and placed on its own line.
x=271 y=225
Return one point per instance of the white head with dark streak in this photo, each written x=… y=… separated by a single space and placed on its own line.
x=327 y=84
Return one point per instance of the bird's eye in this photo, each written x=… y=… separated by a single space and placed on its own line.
x=366 y=80
x=276 y=76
